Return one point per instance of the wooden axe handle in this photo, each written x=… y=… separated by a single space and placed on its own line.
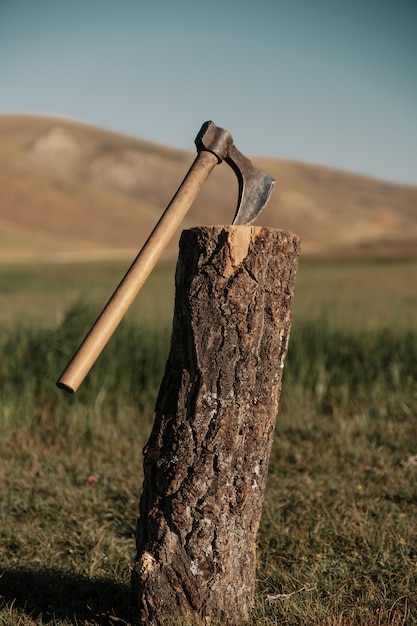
x=129 y=287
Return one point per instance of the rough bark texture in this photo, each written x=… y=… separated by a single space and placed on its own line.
x=206 y=461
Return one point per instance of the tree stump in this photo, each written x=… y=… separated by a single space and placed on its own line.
x=206 y=461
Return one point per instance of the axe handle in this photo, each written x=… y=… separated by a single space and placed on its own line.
x=129 y=287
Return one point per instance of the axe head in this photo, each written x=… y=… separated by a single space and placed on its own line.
x=255 y=187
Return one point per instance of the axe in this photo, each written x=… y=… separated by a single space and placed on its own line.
x=214 y=145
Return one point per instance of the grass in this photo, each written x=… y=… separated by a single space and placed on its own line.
x=40 y=294
x=338 y=539
x=358 y=294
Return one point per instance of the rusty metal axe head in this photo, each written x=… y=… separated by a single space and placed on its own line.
x=255 y=187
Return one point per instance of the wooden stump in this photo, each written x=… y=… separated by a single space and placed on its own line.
x=206 y=462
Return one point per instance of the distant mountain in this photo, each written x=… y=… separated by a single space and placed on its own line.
x=72 y=191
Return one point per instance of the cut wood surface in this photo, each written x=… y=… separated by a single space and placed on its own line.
x=206 y=461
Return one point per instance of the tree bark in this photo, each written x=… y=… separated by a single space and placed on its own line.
x=206 y=461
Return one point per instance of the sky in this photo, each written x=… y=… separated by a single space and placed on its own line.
x=332 y=82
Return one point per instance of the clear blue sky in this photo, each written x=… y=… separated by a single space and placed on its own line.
x=324 y=81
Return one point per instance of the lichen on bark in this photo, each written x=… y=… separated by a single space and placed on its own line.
x=206 y=461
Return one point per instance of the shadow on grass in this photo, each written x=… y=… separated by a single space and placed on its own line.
x=56 y=595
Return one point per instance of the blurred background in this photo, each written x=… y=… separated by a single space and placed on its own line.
x=330 y=83
x=101 y=102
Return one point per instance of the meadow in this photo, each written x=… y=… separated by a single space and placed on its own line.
x=338 y=539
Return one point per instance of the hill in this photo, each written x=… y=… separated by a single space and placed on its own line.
x=72 y=191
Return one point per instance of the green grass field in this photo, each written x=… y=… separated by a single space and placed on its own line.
x=338 y=538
